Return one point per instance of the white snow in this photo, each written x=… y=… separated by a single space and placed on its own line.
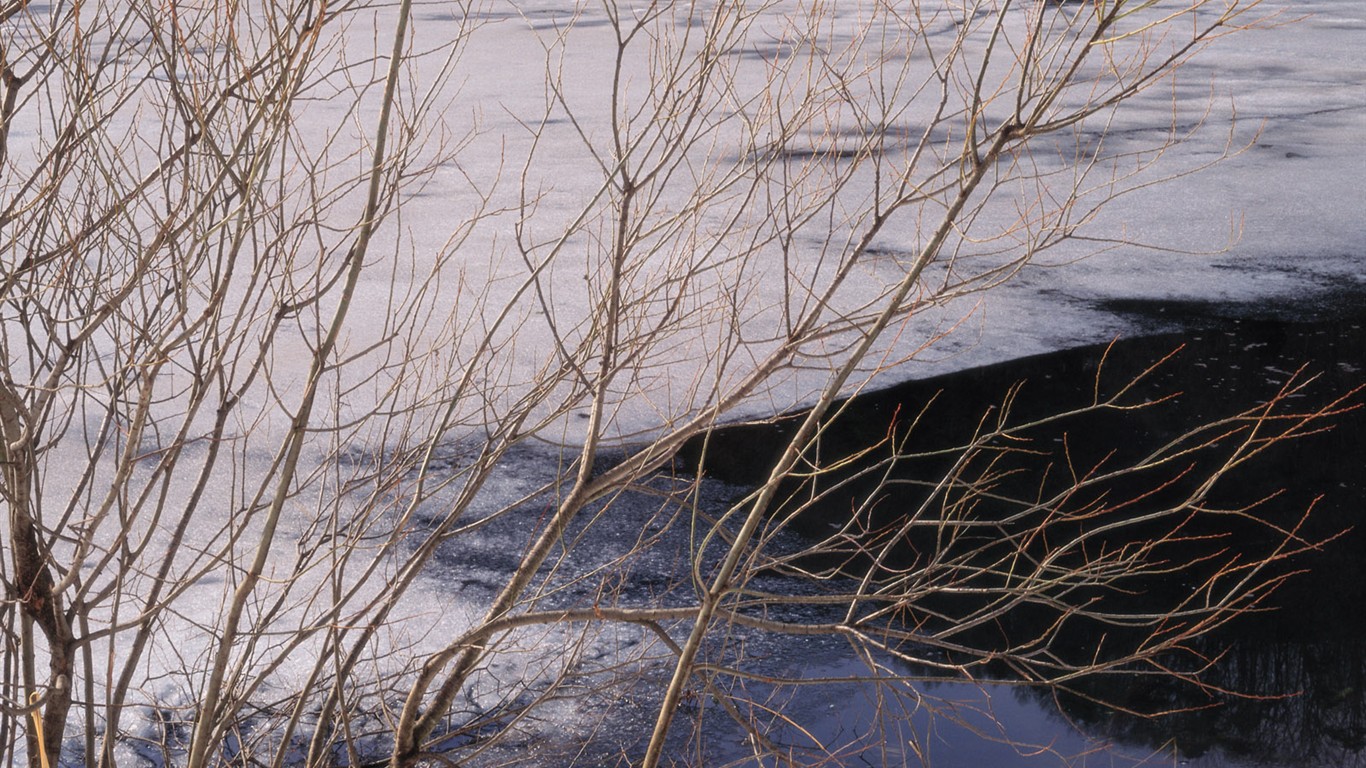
x=1278 y=220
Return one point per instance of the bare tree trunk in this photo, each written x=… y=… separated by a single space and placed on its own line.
x=33 y=584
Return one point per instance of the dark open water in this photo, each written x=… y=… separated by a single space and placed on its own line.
x=1298 y=668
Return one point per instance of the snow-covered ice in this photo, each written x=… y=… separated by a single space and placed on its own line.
x=1279 y=222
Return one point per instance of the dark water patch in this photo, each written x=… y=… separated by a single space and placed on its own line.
x=1282 y=685
x=1196 y=376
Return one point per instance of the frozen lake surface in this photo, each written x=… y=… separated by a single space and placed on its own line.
x=1277 y=222
x=1238 y=196
x=1274 y=231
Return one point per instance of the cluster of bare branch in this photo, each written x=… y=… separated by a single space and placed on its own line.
x=253 y=407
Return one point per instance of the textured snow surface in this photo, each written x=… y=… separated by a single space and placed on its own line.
x=1278 y=223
